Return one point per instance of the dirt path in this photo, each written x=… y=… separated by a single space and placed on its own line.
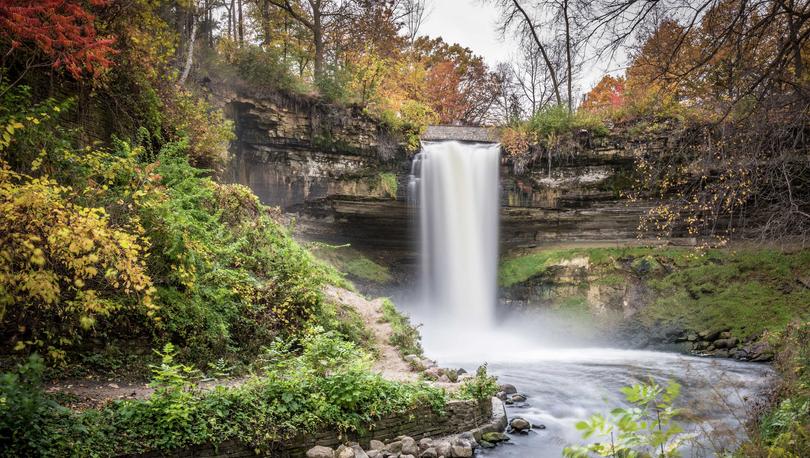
x=94 y=392
x=389 y=364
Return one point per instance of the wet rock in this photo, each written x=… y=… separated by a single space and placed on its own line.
x=721 y=353
x=691 y=337
x=508 y=388
x=501 y=395
x=409 y=446
x=760 y=352
x=726 y=343
x=509 y=401
x=374 y=444
x=407 y=456
x=485 y=444
x=494 y=437
x=425 y=443
x=519 y=424
x=462 y=451
x=518 y=398
x=430 y=452
x=374 y=454
x=469 y=438
x=461 y=370
x=320 y=451
x=540 y=426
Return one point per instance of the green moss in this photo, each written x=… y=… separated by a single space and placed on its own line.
x=748 y=291
x=388 y=184
x=351 y=262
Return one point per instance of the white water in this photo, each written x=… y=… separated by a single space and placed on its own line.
x=456 y=188
x=458 y=194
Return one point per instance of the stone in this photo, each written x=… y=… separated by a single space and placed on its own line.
x=445 y=379
x=461 y=370
x=541 y=426
x=374 y=454
x=345 y=452
x=519 y=424
x=425 y=443
x=467 y=438
x=722 y=353
x=691 y=337
x=430 y=452
x=443 y=448
x=320 y=451
x=433 y=373
x=494 y=437
x=374 y=444
x=407 y=456
x=461 y=451
x=409 y=446
x=359 y=452
x=508 y=388
x=501 y=395
x=726 y=343
x=509 y=401
x=519 y=398
x=394 y=447
x=485 y=444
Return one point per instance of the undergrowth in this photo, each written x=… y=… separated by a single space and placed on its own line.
x=405 y=336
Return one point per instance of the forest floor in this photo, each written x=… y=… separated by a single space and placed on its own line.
x=92 y=392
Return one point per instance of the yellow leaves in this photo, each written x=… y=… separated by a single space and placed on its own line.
x=52 y=252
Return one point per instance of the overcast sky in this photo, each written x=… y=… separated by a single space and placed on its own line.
x=473 y=24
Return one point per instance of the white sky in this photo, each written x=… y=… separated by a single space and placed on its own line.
x=473 y=24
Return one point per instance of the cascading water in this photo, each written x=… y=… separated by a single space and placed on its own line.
x=456 y=187
x=454 y=191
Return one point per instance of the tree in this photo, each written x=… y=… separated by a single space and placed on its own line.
x=514 y=15
x=60 y=34
x=318 y=16
x=607 y=95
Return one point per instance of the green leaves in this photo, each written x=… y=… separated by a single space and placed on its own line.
x=645 y=429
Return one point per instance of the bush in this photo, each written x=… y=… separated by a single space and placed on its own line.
x=481 y=387
x=646 y=429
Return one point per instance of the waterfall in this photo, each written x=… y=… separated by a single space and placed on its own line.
x=457 y=191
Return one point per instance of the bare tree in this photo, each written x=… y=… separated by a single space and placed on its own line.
x=515 y=17
x=413 y=14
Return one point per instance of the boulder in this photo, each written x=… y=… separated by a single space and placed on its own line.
x=430 y=452
x=443 y=448
x=374 y=454
x=726 y=343
x=518 y=398
x=494 y=437
x=320 y=451
x=345 y=452
x=462 y=451
x=508 y=388
x=394 y=447
x=501 y=395
x=519 y=424
x=425 y=443
x=374 y=444
x=409 y=446
x=445 y=379
x=485 y=444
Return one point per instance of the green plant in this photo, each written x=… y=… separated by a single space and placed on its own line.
x=404 y=335
x=646 y=429
x=480 y=387
x=388 y=184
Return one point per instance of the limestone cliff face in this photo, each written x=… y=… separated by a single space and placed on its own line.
x=324 y=163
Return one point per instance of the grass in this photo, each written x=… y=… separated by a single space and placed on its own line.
x=351 y=262
x=405 y=336
x=747 y=291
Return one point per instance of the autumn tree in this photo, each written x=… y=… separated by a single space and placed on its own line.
x=607 y=95
x=60 y=34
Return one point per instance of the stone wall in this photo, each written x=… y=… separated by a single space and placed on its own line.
x=459 y=416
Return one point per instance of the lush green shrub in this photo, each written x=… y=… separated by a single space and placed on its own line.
x=480 y=387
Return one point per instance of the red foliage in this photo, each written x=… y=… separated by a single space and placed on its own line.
x=607 y=95
x=57 y=33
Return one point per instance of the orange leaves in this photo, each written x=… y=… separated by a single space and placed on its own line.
x=56 y=33
x=607 y=95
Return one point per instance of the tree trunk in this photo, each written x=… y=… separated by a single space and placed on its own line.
x=190 y=55
x=568 y=56
x=317 y=32
x=241 y=24
x=542 y=48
